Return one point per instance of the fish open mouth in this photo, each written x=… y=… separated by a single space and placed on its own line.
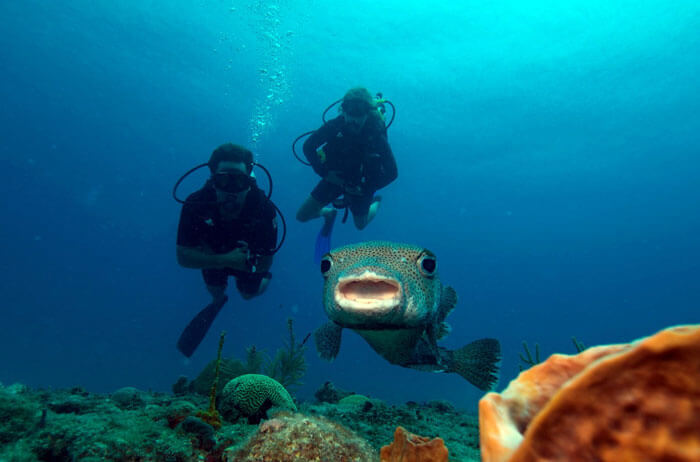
x=368 y=292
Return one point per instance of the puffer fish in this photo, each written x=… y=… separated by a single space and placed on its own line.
x=391 y=295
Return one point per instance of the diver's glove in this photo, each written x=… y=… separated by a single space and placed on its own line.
x=251 y=262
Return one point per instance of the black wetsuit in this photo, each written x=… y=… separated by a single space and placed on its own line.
x=363 y=160
x=201 y=226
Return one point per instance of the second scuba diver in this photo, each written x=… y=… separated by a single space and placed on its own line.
x=351 y=154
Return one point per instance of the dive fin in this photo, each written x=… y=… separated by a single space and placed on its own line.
x=478 y=362
x=195 y=331
x=327 y=339
x=323 y=240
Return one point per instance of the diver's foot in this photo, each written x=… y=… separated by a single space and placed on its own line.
x=329 y=213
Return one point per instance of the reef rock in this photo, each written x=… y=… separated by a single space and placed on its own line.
x=295 y=438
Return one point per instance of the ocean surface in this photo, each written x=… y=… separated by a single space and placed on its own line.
x=548 y=153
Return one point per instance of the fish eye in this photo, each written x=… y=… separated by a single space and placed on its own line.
x=427 y=264
x=326 y=264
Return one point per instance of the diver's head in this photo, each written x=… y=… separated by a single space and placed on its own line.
x=356 y=107
x=232 y=153
x=231 y=168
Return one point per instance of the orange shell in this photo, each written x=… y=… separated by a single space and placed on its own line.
x=408 y=447
x=631 y=402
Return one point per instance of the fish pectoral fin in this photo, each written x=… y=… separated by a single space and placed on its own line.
x=327 y=339
x=443 y=329
x=448 y=301
x=478 y=362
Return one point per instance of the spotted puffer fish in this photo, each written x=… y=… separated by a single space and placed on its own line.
x=391 y=295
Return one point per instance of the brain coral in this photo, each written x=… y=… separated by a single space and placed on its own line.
x=251 y=395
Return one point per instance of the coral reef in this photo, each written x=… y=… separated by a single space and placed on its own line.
x=251 y=396
x=409 y=447
x=377 y=422
x=18 y=416
x=297 y=438
x=328 y=393
x=68 y=425
x=89 y=427
x=128 y=398
x=637 y=401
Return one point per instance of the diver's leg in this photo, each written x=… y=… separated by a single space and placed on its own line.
x=310 y=209
x=315 y=205
x=216 y=281
x=251 y=285
x=364 y=209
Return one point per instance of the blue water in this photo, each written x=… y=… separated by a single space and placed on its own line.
x=549 y=155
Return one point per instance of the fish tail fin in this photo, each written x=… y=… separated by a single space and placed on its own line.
x=327 y=339
x=478 y=362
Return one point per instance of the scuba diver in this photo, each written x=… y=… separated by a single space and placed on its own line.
x=351 y=154
x=228 y=228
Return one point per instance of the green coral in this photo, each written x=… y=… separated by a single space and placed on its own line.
x=251 y=395
x=530 y=361
x=287 y=367
x=289 y=364
x=18 y=417
x=229 y=368
x=211 y=415
x=254 y=360
x=354 y=402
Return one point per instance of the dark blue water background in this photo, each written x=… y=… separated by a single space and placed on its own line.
x=549 y=155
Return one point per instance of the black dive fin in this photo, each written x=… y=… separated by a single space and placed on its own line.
x=478 y=362
x=195 y=331
x=327 y=339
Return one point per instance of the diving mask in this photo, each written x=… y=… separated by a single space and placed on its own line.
x=232 y=181
x=355 y=112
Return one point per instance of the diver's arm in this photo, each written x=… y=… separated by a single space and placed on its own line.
x=315 y=141
x=388 y=169
x=311 y=144
x=193 y=257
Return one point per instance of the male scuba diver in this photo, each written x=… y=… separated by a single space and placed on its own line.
x=351 y=154
x=227 y=228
